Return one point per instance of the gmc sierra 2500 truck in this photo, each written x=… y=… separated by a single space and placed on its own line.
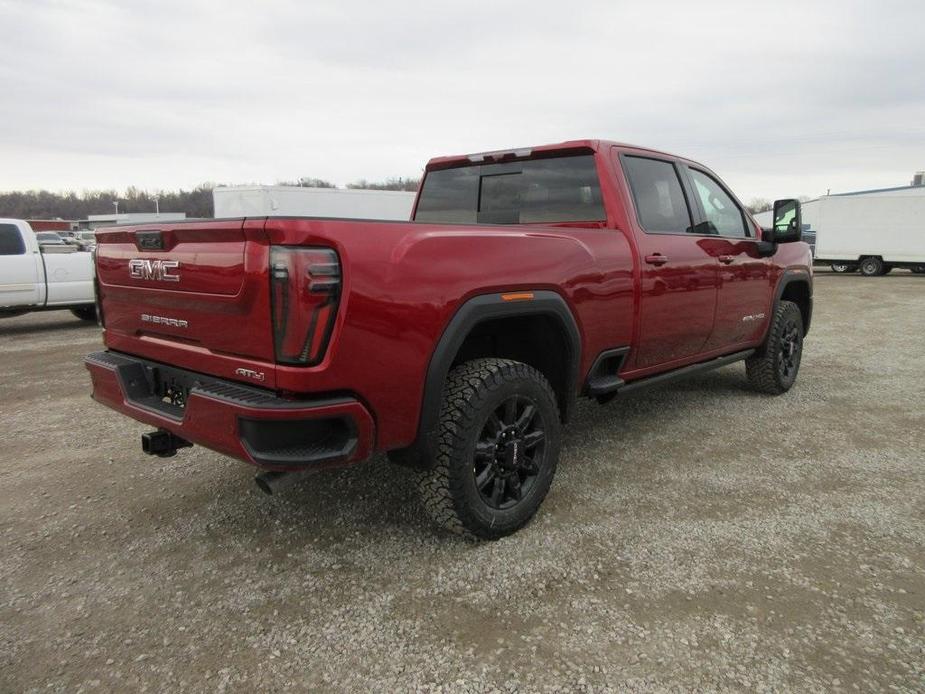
x=458 y=341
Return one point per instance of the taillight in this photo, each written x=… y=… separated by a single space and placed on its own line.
x=97 y=297
x=304 y=290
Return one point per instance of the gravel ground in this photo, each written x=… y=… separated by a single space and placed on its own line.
x=697 y=536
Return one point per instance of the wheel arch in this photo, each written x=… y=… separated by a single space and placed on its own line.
x=796 y=286
x=475 y=319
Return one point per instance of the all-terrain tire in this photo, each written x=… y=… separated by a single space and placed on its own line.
x=773 y=368
x=476 y=397
x=87 y=313
x=918 y=269
x=871 y=267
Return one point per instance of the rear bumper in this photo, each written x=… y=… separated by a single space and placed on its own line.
x=250 y=424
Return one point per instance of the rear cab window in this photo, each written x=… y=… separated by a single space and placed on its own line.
x=550 y=190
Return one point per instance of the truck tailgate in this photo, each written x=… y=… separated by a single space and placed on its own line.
x=180 y=292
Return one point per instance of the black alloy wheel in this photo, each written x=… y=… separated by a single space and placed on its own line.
x=509 y=452
x=494 y=453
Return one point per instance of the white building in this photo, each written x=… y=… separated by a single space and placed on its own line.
x=295 y=201
x=96 y=221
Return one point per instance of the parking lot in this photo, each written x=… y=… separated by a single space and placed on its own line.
x=697 y=536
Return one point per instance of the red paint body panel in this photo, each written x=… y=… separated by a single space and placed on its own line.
x=402 y=283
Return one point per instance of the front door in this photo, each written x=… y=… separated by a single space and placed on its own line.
x=744 y=280
x=678 y=274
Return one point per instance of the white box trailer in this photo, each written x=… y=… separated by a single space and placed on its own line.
x=293 y=201
x=870 y=233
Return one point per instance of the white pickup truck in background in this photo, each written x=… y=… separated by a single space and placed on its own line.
x=33 y=278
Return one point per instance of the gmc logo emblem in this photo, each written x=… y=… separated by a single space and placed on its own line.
x=158 y=270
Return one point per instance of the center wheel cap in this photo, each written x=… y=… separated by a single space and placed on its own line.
x=513 y=451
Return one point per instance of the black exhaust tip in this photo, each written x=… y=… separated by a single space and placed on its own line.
x=162 y=443
x=263 y=485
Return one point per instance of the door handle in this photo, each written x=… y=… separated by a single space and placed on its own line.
x=726 y=259
x=656 y=259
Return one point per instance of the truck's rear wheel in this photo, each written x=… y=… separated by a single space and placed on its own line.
x=496 y=449
x=87 y=313
x=871 y=267
x=773 y=369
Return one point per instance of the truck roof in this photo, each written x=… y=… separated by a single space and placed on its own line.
x=523 y=152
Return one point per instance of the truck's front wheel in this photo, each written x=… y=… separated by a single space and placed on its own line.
x=773 y=368
x=496 y=449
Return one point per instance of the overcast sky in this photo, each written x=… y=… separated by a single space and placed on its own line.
x=781 y=98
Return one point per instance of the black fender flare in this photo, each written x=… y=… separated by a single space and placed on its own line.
x=788 y=277
x=488 y=307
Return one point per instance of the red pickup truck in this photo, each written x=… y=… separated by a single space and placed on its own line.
x=458 y=341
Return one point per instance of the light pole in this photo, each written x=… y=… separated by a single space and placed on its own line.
x=157 y=207
x=116 y=205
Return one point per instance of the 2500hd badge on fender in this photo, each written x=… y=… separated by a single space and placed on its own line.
x=458 y=341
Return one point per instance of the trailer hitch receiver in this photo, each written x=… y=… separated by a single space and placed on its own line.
x=162 y=443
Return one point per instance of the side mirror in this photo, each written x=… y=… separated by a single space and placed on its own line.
x=788 y=222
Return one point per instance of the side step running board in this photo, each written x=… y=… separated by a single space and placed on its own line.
x=658 y=379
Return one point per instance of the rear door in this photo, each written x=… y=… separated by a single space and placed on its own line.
x=21 y=280
x=678 y=273
x=744 y=288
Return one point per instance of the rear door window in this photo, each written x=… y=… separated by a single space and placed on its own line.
x=11 y=242
x=658 y=195
x=558 y=189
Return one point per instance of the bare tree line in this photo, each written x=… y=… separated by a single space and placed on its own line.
x=44 y=204
x=764 y=205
